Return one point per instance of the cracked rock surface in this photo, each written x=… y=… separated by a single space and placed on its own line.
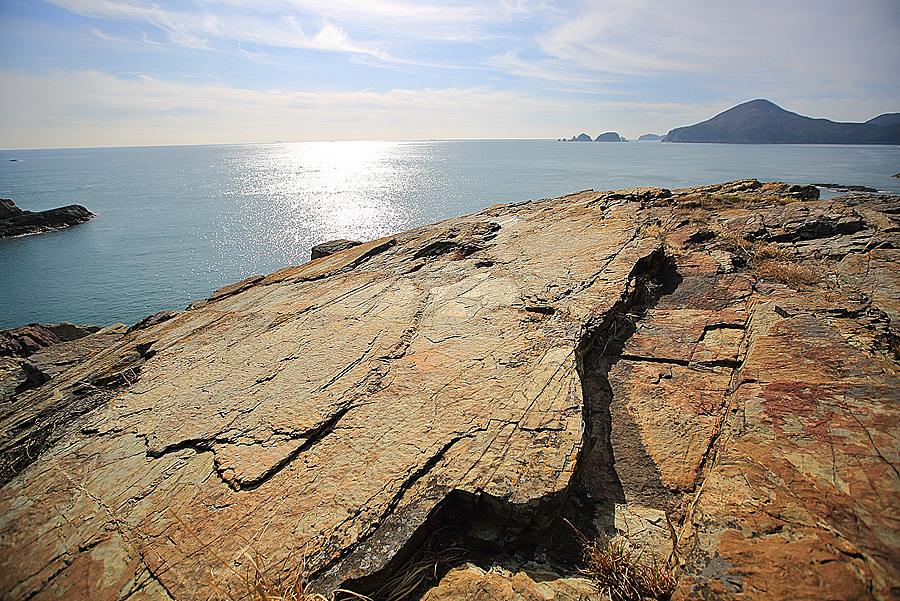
x=620 y=359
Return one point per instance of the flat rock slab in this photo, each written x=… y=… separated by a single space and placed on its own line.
x=329 y=409
x=611 y=351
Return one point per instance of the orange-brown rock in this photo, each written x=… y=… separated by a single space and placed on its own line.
x=702 y=371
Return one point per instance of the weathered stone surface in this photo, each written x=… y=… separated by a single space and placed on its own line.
x=329 y=248
x=498 y=584
x=613 y=359
x=67 y=332
x=26 y=340
x=49 y=362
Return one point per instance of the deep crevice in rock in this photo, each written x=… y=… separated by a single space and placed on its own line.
x=480 y=526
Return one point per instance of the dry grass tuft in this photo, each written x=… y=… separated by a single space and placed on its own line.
x=792 y=274
x=622 y=572
x=713 y=201
x=425 y=568
x=259 y=584
x=771 y=262
x=694 y=215
x=653 y=230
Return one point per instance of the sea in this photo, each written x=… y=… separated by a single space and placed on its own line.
x=175 y=223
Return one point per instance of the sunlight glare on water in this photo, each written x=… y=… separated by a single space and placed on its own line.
x=294 y=194
x=175 y=223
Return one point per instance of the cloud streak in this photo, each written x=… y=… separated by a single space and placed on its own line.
x=508 y=68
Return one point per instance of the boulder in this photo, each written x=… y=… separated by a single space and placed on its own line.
x=67 y=332
x=329 y=248
x=499 y=584
x=698 y=372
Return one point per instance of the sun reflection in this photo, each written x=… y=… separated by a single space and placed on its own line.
x=297 y=195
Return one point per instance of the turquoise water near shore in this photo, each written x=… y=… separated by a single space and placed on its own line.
x=175 y=223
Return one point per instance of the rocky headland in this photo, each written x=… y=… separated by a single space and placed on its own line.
x=709 y=376
x=16 y=222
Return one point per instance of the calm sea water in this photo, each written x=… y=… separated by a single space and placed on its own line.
x=175 y=223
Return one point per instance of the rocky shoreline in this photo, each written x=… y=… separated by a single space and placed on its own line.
x=16 y=222
x=708 y=374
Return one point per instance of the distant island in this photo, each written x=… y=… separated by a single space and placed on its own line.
x=763 y=122
x=609 y=136
x=650 y=138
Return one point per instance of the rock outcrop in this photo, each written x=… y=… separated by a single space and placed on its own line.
x=48 y=362
x=16 y=222
x=711 y=373
x=329 y=248
x=9 y=209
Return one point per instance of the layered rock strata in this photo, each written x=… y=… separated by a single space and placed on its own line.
x=711 y=373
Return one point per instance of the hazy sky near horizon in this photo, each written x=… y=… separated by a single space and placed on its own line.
x=77 y=73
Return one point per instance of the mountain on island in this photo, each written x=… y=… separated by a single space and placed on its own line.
x=650 y=138
x=885 y=119
x=609 y=136
x=582 y=137
x=763 y=122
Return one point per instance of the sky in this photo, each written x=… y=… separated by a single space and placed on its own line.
x=81 y=73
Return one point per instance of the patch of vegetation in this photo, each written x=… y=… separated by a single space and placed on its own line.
x=770 y=261
x=695 y=215
x=625 y=573
x=261 y=582
x=424 y=569
x=653 y=230
x=792 y=274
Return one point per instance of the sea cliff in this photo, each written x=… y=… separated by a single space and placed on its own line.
x=709 y=375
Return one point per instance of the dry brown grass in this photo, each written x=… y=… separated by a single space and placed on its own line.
x=261 y=583
x=730 y=201
x=653 y=230
x=770 y=261
x=425 y=568
x=258 y=585
x=626 y=573
x=792 y=274
x=696 y=215
x=713 y=201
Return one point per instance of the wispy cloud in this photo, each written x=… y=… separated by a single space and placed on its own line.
x=326 y=69
x=196 y=28
x=146 y=110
